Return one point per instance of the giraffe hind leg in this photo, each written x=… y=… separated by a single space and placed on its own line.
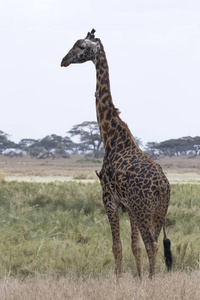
x=150 y=245
x=136 y=246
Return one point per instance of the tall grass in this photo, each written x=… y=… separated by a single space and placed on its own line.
x=57 y=229
x=177 y=285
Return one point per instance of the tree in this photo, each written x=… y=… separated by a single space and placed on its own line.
x=151 y=149
x=178 y=146
x=50 y=146
x=138 y=141
x=53 y=146
x=26 y=144
x=70 y=145
x=196 y=144
x=5 y=143
x=89 y=135
x=196 y=149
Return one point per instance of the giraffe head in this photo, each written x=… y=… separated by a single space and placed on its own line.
x=83 y=50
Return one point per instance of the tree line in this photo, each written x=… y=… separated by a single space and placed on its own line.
x=55 y=146
x=90 y=143
x=182 y=146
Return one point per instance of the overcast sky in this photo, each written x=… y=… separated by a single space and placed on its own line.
x=153 y=52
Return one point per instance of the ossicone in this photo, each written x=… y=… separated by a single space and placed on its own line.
x=91 y=35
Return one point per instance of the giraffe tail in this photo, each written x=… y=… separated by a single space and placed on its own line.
x=167 y=251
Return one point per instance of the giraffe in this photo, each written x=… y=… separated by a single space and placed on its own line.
x=130 y=180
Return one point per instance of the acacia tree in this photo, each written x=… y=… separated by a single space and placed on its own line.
x=151 y=149
x=179 y=146
x=26 y=144
x=5 y=143
x=89 y=135
x=138 y=141
x=51 y=145
x=69 y=145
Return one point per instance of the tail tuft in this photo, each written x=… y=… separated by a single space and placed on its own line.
x=167 y=253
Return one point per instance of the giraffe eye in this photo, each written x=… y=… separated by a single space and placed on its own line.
x=82 y=47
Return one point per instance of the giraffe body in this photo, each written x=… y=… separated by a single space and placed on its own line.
x=130 y=180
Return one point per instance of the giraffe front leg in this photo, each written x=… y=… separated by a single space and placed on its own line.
x=113 y=217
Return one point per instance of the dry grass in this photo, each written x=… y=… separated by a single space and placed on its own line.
x=165 y=286
x=182 y=164
x=26 y=166
x=177 y=169
x=177 y=285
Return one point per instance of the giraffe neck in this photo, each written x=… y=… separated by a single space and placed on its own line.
x=112 y=129
x=107 y=115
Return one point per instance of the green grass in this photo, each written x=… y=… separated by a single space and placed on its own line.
x=62 y=228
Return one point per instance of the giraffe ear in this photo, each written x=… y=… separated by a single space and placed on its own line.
x=90 y=35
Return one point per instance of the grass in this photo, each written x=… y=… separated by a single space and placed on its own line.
x=57 y=229
x=26 y=166
x=2 y=176
x=177 y=285
x=89 y=160
x=184 y=215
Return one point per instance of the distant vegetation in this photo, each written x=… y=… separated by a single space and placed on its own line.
x=182 y=146
x=90 y=144
x=61 y=228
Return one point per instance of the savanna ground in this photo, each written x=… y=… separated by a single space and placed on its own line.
x=55 y=239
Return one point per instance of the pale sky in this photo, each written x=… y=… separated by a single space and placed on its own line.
x=153 y=52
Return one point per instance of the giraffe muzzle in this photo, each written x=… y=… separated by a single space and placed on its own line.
x=66 y=61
